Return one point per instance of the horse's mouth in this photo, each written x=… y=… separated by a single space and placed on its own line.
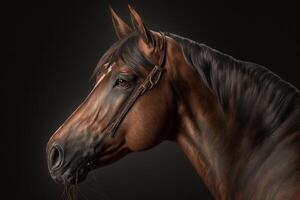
x=72 y=176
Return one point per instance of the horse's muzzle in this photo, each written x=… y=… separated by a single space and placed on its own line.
x=68 y=168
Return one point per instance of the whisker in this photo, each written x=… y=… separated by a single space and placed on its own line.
x=82 y=194
x=69 y=193
x=62 y=194
x=66 y=193
x=74 y=192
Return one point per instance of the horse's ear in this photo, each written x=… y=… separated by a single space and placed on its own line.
x=121 y=28
x=139 y=26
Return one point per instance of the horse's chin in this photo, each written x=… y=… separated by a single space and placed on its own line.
x=77 y=178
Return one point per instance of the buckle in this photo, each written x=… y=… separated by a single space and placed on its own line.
x=155 y=77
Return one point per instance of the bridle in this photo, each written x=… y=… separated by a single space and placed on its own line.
x=151 y=80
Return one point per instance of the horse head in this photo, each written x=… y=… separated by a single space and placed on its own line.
x=130 y=108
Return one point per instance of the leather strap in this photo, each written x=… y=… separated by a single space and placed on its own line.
x=151 y=80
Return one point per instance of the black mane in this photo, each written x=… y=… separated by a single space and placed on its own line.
x=262 y=101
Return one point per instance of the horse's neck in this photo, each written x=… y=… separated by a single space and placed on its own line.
x=207 y=137
x=202 y=122
x=201 y=140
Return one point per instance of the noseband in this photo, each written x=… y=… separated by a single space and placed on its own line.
x=151 y=80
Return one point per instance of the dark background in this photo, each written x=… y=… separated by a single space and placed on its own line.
x=55 y=47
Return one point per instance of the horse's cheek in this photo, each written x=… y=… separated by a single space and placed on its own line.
x=146 y=131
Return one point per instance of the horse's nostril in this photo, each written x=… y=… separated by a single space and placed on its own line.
x=55 y=157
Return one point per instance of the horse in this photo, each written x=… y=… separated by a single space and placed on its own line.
x=236 y=121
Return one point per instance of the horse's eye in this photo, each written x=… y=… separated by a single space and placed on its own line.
x=122 y=83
